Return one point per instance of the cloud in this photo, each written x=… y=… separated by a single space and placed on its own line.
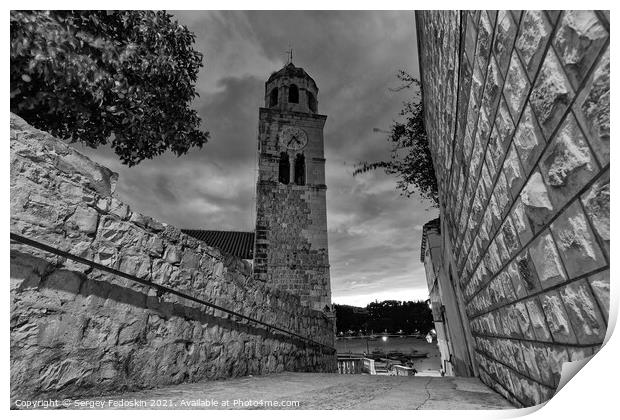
x=374 y=233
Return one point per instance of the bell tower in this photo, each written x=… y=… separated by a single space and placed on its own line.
x=290 y=249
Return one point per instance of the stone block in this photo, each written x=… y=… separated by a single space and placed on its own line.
x=578 y=40
x=511 y=322
x=155 y=246
x=523 y=319
x=478 y=150
x=529 y=358
x=490 y=166
x=492 y=88
x=477 y=82
x=551 y=94
x=557 y=318
x=495 y=291
x=599 y=283
x=531 y=392
x=495 y=215
x=513 y=172
x=119 y=208
x=596 y=201
x=513 y=275
x=516 y=87
x=547 y=261
x=505 y=33
x=521 y=221
x=485 y=179
x=65 y=283
x=592 y=109
x=136 y=265
x=190 y=260
x=534 y=32
x=503 y=352
x=550 y=360
x=537 y=317
x=485 y=34
x=517 y=351
x=502 y=197
x=528 y=140
x=583 y=312
x=578 y=353
x=504 y=124
x=173 y=254
x=576 y=242
x=492 y=259
x=501 y=373
x=117 y=232
x=470 y=38
x=536 y=202
x=501 y=246
x=567 y=165
x=106 y=255
x=86 y=219
x=72 y=193
x=511 y=239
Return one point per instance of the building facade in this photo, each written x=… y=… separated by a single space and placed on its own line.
x=517 y=114
x=454 y=337
x=290 y=247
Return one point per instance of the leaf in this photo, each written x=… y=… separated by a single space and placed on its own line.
x=411 y=160
x=101 y=77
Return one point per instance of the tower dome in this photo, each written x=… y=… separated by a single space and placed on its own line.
x=291 y=89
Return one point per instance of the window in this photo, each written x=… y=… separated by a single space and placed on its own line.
x=300 y=170
x=284 y=175
x=293 y=94
x=311 y=102
x=273 y=97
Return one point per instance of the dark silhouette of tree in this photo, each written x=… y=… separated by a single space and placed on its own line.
x=390 y=315
x=96 y=77
x=410 y=160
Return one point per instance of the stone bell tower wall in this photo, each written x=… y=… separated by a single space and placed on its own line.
x=291 y=224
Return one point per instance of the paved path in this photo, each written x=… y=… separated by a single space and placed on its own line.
x=321 y=391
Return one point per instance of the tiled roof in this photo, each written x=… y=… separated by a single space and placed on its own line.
x=239 y=244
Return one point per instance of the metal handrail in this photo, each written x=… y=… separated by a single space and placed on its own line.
x=35 y=244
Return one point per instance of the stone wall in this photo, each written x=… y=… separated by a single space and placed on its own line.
x=77 y=331
x=517 y=113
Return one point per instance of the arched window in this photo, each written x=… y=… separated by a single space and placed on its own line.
x=300 y=169
x=293 y=94
x=311 y=102
x=284 y=175
x=273 y=97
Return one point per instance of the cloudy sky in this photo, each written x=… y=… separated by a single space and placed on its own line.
x=374 y=233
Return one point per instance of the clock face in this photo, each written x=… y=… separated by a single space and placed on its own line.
x=293 y=138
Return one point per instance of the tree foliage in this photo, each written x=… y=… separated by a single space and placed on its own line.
x=390 y=315
x=410 y=158
x=124 y=77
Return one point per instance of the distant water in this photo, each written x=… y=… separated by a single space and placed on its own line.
x=406 y=345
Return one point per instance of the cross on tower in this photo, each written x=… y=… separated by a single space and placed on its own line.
x=289 y=55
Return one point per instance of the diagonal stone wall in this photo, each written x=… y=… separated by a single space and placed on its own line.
x=78 y=332
x=517 y=113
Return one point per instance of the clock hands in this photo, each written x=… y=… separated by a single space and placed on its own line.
x=293 y=138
